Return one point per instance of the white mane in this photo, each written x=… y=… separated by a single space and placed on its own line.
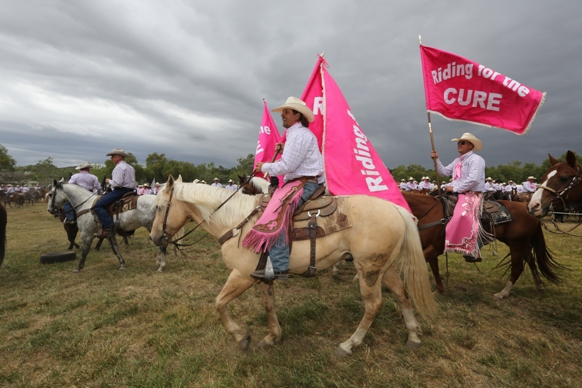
x=261 y=183
x=208 y=198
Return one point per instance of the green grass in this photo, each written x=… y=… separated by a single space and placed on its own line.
x=139 y=328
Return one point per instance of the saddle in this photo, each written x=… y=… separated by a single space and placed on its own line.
x=126 y=203
x=494 y=213
x=330 y=211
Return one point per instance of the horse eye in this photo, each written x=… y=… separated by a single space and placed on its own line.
x=564 y=179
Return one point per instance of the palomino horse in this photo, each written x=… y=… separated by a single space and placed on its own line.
x=560 y=183
x=82 y=201
x=3 y=221
x=382 y=234
x=524 y=237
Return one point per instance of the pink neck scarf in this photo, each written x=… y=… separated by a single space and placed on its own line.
x=457 y=172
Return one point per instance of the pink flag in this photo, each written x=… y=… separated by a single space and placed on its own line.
x=460 y=89
x=268 y=138
x=352 y=165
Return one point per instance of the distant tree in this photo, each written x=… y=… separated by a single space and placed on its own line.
x=7 y=162
x=156 y=166
x=46 y=172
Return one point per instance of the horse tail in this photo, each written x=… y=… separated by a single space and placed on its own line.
x=414 y=269
x=3 y=220
x=542 y=255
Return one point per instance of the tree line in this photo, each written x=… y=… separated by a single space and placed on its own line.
x=158 y=167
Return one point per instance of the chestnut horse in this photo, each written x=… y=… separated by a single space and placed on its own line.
x=524 y=237
x=382 y=235
x=560 y=183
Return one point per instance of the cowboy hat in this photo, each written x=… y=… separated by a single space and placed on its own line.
x=411 y=179
x=230 y=181
x=531 y=177
x=196 y=180
x=83 y=166
x=402 y=180
x=215 y=179
x=117 y=151
x=297 y=105
x=489 y=179
x=477 y=144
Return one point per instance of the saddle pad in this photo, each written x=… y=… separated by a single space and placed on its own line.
x=497 y=213
x=324 y=205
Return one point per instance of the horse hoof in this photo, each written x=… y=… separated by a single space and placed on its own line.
x=244 y=343
x=76 y=270
x=498 y=296
x=412 y=344
x=122 y=268
x=342 y=353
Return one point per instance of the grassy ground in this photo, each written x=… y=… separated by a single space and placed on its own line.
x=139 y=328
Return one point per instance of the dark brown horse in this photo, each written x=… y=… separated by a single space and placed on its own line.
x=523 y=236
x=561 y=183
x=3 y=221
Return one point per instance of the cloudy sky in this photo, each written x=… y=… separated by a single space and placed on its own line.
x=187 y=78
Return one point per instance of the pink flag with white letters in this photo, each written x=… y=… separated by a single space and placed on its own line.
x=268 y=138
x=461 y=89
x=352 y=165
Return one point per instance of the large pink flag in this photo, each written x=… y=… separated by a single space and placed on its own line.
x=461 y=89
x=352 y=165
x=268 y=138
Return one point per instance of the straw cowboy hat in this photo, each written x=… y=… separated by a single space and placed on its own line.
x=215 y=179
x=230 y=181
x=83 y=166
x=117 y=151
x=489 y=179
x=531 y=177
x=298 y=105
x=411 y=179
x=477 y=144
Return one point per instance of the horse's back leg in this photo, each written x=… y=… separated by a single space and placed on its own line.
x=518 y=251
x=392 y=281
x=234 y=286
x=87 y=239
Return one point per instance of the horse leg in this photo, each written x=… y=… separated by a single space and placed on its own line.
x=394 y=283
x=235 y=285
x=371 y=291
x=161 y=262
x=517 y=253
x=434 y=266
x=116 y=251
x=87 y=241
x=98 y=245
x=268 y=295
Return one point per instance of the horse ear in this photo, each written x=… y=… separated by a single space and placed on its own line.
x=179 y=178
x=571 y=159
x=170 y=182
x=54 y=183
x=553 y=160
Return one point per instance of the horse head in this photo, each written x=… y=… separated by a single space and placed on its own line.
x=560 y=182
x=55 y=198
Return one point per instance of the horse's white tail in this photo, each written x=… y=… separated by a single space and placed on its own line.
x=414 y=269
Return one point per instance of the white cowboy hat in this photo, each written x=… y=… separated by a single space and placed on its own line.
x=531 y=177
x=297 y=105
x=411 y=179
x=215 y=179
x=196 y=180
x=489 y=179
x=117 y=151
x=477 y=144
x=146 y=185
x=83 y=166
x=230 y=181
x=402 y=180
x=425 y=177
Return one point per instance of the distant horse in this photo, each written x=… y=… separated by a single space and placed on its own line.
x=3 y=221
x=524 y=237
x=381 y=234
x=82 y=201
x=561 y=183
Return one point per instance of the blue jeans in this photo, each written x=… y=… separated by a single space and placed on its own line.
x=101 y=206
x=69 y=211
x=279 y=253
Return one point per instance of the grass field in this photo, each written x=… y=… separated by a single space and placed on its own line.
x=139 y=328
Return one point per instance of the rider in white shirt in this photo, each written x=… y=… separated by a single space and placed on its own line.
x=529 y=186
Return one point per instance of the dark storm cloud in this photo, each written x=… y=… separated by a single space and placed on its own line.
x=187 y=78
